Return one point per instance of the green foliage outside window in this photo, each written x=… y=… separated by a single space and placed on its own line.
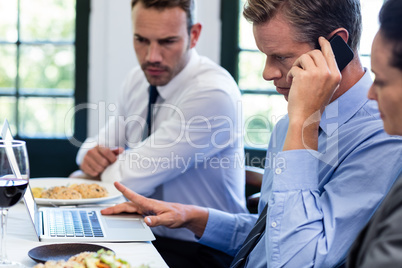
x=37 y=52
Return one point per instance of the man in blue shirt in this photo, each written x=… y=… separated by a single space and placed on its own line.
x=333 y=161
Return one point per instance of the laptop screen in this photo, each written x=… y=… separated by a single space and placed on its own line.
x=7 y=137
x=6 y=132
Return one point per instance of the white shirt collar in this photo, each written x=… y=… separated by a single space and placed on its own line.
x=167 y=91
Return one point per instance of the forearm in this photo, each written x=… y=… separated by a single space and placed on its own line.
x=302 y=134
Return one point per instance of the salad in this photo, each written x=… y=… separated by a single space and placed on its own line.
x=100 y=259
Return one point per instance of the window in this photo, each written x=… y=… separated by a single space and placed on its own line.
x=262 y=106
x=43 y=74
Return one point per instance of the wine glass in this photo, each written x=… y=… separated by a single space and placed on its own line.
x=14 y=175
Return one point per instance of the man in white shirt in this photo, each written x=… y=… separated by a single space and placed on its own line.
x=194 y=153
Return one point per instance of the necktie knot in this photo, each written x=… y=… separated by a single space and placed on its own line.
x=153 y=94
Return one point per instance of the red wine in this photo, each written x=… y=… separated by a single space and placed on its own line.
x=11 y=191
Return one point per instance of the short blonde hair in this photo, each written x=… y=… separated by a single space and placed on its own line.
x=311 y=18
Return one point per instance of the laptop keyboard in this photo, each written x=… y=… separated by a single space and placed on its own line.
x=74 y=223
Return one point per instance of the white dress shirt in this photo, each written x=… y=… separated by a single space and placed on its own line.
x=195 y=150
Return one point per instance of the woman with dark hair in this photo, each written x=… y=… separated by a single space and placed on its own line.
x=380 y=242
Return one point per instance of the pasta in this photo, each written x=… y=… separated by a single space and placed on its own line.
x=73 y=191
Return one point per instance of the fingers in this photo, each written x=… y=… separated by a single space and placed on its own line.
x=123 y=189
x=165 y=219
x=305 y=61
x=98 y=159
x=91 y=167
x=120 y=208
x=128 y=207
x=109 y=157
x=312 y=61
x=314 y=74
x=152 y=221
x=328 y=54
x=301 y=64
x=171 y=215
x=118 y=150
x=138 y=204
x=315 y=62
x=145 y=204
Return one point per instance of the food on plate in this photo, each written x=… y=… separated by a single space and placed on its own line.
x=90 y=190
x=61 y=192
x=37 y=191
x=100 y=259
x=73 y=191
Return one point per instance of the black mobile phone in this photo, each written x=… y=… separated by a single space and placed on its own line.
x=343 y=53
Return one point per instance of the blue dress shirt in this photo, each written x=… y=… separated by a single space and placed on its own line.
x=318 y=201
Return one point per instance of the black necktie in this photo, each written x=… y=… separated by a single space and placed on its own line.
x=153 y=95
x=251 y=240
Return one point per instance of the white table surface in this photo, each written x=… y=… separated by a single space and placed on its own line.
x=21 y=238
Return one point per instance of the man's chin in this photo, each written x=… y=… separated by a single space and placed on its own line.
x=283 y=91
x=157 y=81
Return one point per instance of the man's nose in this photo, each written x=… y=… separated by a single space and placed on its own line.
x=154 y=53
x=271 y=72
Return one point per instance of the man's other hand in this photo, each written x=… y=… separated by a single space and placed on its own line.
x=98 y=159
x=171 y=215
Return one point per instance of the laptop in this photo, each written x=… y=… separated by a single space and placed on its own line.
x=65 y=224
x=62 y=224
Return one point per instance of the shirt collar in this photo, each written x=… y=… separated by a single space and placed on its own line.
x=342 y=109
x=168 y=90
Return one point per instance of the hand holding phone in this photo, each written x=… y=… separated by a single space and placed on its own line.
x=343 y=53
x=316 y=74
x=314 y=79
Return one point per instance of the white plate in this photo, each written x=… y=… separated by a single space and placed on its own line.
x=50 y=182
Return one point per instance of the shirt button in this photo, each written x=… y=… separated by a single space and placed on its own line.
x=273 y=224
x=278 y=171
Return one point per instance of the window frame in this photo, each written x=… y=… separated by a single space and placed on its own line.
x=55 y=157
x=230 y=51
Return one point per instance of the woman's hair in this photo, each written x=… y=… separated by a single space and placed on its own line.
x=391 y=29
x=310 y=18
x=187 y=5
